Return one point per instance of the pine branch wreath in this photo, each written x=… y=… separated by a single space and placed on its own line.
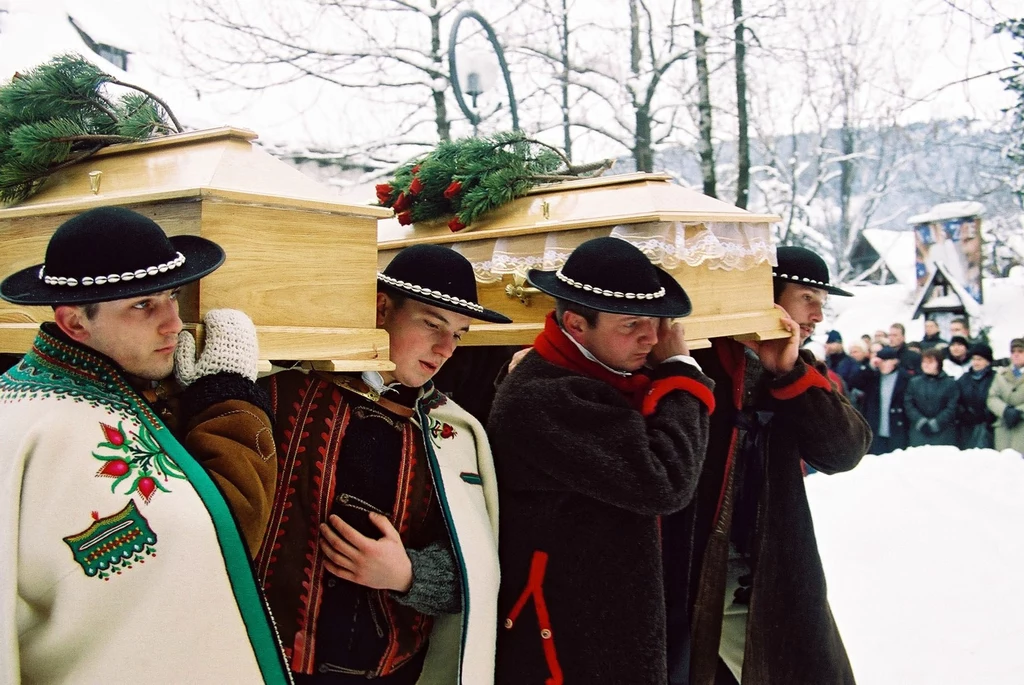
x=466 y=178
x=59 y=113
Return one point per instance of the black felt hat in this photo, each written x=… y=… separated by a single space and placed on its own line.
x=438 y=276
x=111 y=253
x=982 y=350
x=612 y=275
x=887 y=352
x=802 y=266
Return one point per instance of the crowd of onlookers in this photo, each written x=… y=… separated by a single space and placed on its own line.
x=934 y=391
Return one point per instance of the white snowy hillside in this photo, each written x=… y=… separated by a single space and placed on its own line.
x=923 y=551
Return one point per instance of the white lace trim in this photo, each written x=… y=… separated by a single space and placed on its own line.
x=112 y=278
x=727 y=246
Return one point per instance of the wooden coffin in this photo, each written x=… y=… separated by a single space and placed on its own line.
x=720 y=254
x=300 y=262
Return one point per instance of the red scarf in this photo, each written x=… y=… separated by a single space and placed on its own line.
x=554 y=345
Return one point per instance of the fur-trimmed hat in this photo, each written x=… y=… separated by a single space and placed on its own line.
x=800 y=265
x=111 y=253
x=437 y=276
x=612 y=275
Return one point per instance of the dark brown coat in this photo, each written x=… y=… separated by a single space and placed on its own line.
x=223 y=421
x=792 y=637
x=582 y=479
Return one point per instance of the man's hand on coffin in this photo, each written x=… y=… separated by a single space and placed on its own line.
x=230 y=348
x=380 y=564
x=671 y=341
x=779 y=356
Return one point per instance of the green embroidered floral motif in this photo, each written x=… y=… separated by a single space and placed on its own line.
x=113 y=544
x=136 y=457
x=53 y=368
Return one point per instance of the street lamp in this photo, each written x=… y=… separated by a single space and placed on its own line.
x=474 y=79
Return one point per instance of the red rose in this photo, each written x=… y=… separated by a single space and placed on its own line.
x=405 y=218
x=447 y=431
x=402 y=202
x=452 y=190
x=416 y=186
x=384 y=193
x=416 y=169
x=456 y=225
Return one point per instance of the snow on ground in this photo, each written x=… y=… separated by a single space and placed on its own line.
x=923 y=551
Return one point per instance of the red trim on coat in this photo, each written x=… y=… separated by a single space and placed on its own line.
x=535 y=589
x=810 y=379
x=733 y=357
x=664 y=386
x=554 y=346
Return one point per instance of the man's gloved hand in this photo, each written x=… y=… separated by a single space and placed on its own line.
x=230 y=347
x=1012 y=416
x=933 y=425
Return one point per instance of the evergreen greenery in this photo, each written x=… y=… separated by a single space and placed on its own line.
x=59 y=113
x=1014 y=82
x=466 y=178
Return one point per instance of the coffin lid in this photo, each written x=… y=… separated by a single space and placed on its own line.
x=219 y=163
x=583 y=203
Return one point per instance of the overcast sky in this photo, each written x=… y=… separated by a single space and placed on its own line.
x=938 y=45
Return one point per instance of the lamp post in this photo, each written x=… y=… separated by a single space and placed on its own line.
x=474 y=86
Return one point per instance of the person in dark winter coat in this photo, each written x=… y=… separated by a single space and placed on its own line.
x=910 y=359
x=862 y=358
x=930 y=403
x=957 y=360
x=589 y=452
x=962 y=328
x=837 y=359
x=932 y=337
x=974 y=420
x=745 y=586
x=883 y=387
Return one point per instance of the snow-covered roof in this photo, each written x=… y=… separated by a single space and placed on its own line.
x=898 y=250
x=947 y=211
x=970 y=305
x=35 y=31
x=104 y=27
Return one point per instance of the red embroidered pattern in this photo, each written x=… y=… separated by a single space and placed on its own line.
x=135 y=456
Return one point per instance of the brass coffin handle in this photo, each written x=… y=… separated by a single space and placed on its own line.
x=518 y=290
